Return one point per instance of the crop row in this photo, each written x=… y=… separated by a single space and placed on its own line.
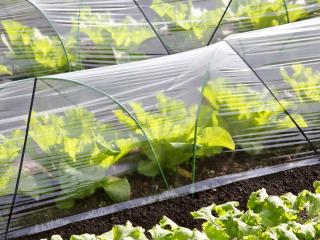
x=268 y=217
x=72 y=154
x=28 y=52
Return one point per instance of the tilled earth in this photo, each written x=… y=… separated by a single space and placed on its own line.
x=178 y=209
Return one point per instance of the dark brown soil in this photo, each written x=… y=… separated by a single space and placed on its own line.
x=179 y=209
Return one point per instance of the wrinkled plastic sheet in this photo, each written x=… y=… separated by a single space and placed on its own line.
x=43 y=37
x=82 y=142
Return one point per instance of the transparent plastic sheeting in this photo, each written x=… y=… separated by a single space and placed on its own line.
x=107 y=135
x=42 y=37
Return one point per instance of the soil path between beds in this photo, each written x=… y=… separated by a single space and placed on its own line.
x=178 y=209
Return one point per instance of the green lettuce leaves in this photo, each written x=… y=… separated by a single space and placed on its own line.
x=267 y=217
x=170 y=128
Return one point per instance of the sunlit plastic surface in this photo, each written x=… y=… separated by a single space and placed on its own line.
x=100 y=33
x=109 y=135
x=248 y=15
x=41 y=37
x=184 y=24
x=14 y=108
x=29 y=45
x=78 y=151
x=248 y=125
x=289 y=65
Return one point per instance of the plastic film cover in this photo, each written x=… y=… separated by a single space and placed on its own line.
x=125 y=133
x=289 y=66
x=41 y=37
x=248 y=15
x=14 y=109
x=183 y=25
x=248 y=126
x=29 y=45
x=100 y=33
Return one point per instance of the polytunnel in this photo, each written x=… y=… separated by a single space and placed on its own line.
x=42 y=37
x=84 y=144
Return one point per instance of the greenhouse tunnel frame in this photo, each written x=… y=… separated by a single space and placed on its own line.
x=54 y=29
x=191 y=188
x=106 y=95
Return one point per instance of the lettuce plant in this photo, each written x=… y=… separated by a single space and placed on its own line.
x=252 y=14
x=10 y=157
x=119 y=232
x=240 y=109
x=4 y=70
x=126 y=34
x=198 y=23
x=304 y=81
x=169 y=230
x=304 y=90
x=170 y=129
x=267 y=217
x=260 y=14
x=29 y=51
x=10 y=149
x=116 y=40
x=75 y=147
x=74 y=150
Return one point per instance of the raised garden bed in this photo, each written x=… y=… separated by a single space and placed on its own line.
x=178 y=209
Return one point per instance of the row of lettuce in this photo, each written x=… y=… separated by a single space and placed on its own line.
x=268 y=217
x=73 y=154
x=94 y=38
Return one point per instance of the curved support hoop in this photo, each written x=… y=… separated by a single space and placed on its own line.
x=22 y=157
x=29 y=120
x=151 y=25
x=78 y=34
x=287 y=12
x=55 y=30
x=275 y=98
x=124 y=109
x=204 y=83
x=194 y=156
x=220 y=21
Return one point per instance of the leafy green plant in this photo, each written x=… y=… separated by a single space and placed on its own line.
x=27 y=44
x=32 y=53
x=4 y=70
x=304 y=81
x=72 y=150
x=258 y=14
x=197 y=22
x=243 y=15
x=170 y=129
x=119 y=232
x=169 y=230
x=268 y=217
x=127 y=34
x=240 y=108
x=116 y=40
x=10 y=148
x=29 y=52
x=79 y=153
x=10 y=157
x=261 y=14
